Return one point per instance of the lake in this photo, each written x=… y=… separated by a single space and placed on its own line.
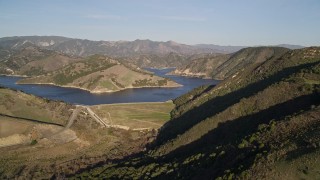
x=78 y=96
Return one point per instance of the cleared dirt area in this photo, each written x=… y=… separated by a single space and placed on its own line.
x=21 y=132
x=10 y=126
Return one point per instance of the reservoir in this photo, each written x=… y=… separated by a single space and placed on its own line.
x=78 y=96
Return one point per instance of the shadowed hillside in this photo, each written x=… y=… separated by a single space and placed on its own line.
x=221 y=66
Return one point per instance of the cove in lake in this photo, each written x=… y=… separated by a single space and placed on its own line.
x=78 y=96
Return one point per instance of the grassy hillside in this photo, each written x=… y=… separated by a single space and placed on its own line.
x=262 y=123
x=32 y=61
x=222 y=66
x=101 y=74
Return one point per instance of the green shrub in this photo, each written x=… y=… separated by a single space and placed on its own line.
x=34 y=142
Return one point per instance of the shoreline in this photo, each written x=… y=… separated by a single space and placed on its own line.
x=101 y=92
x=192 y=76
x=15 y=75
x=130 y=103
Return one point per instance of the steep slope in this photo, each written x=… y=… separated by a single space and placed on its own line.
x=220 y=66
x=100 y=74
x=262 y=123
x=32 y=60
x=240 y=60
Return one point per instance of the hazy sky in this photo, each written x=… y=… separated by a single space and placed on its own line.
x=223 y=22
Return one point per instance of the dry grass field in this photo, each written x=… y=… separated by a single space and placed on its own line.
x=135 y=115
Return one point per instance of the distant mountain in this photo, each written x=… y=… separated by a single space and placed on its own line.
x=290 y=46
x=99 y=74
x=221 y=49
x=223 y=66
x=81 y=47
x=232 y=49
x=144 y=53
x=261 y=123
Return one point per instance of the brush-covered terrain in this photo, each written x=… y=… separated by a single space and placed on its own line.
x=260 y=123
x=43 y=139
x=98 y=74
x=221 y=66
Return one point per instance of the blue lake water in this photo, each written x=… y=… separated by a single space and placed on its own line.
x=78 y=96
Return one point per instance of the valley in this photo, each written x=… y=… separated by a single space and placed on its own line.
x=160 y=90
x=260 y=120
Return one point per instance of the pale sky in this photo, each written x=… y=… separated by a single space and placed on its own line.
x=221 y=22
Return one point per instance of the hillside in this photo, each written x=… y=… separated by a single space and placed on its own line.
x=262 y=123
x=157 y=61
x=99 y=74
x=223 y=66
x=31 y=60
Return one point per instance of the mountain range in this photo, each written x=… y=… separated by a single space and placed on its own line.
x=80 y=47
